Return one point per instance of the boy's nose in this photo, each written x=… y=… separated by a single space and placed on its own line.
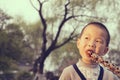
x=91 y=44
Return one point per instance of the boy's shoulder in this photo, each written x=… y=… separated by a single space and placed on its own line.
x=68 y=68
x=67 y=72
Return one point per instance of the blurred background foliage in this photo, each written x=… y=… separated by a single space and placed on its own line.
x=20 y=42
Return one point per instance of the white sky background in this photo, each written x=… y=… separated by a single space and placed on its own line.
x=19 y=8
x=25 y=9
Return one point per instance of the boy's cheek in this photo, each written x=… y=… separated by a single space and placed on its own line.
x=100 y=51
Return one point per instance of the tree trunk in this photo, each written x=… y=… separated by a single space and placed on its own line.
x=41 y=66
x=40 y=61
x=38 y=65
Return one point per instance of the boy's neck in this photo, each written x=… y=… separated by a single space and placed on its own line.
x=88 y=63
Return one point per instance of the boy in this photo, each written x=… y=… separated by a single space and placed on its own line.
x=94 y=38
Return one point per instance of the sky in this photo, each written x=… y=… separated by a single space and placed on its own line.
x=19 y=8
x=24 y=9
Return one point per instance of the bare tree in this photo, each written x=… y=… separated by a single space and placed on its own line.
x=69 y=11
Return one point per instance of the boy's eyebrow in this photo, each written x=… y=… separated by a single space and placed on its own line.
x=85 y=34
x=100 y=37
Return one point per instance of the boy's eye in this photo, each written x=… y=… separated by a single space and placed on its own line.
x=86 y=37
x=98 y=41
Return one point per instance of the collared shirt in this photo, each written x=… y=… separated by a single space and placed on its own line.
x=90 y=72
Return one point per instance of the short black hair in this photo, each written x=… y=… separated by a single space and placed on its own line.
x=101 y=26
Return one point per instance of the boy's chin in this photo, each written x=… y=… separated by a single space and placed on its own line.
x=89 y=61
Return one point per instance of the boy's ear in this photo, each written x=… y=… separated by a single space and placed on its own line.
x=78 y=43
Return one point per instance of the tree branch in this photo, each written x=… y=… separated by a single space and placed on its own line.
x=88 y=16
x=44 y=27
x=66 y=9
x=61 y=24
x=68 y=39
x=33 y=5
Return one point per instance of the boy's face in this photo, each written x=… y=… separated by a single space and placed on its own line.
x=92 y=40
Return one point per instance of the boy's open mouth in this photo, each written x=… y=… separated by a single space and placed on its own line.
x=89 y=52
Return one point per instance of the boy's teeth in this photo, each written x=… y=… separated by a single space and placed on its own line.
x=90 y=52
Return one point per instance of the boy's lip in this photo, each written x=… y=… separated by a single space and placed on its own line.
x=89 y=52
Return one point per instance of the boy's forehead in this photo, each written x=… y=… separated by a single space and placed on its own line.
x=94 y=28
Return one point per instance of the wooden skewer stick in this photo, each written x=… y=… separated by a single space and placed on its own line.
x=112 y=67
